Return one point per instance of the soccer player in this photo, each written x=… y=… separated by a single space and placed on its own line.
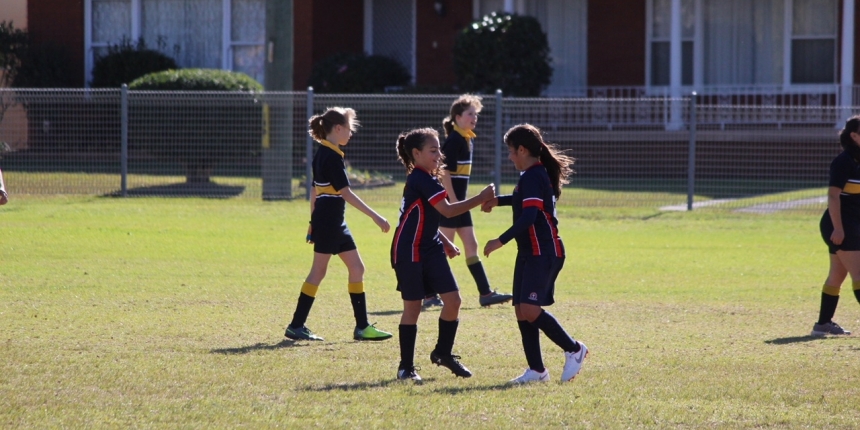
x=418 y=251
x=4 y=196
x=840 y=228
x=328 y=231
x=459 y=128
x=540 y=252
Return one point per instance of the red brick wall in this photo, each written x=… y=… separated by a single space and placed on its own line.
x=616 y=42
x=434 y=40
x=302 y=46
x=324 y=28
x=60 y=22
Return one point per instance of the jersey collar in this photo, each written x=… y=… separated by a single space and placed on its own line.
x=468 y=134
x=331 y=146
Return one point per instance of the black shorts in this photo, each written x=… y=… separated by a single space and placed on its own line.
x=462 y=220
x=852 y=235
x=534 y=279
x=430 y=275
x=333 y=241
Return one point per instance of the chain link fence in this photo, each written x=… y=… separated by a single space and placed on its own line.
x=643 y=151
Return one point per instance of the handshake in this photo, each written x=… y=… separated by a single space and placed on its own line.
x=489 y=198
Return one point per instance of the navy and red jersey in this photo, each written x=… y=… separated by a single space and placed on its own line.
x=458 y=159
x=329 y=178
x=535 y=225
x=845 y=175
x=418 y=229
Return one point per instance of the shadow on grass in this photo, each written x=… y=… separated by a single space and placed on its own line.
x=204 y=189
x=461 y=390
x=359 y=386
x=286 y=343
x=794 y=339
x=386 y=313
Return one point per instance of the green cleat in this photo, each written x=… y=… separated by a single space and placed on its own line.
x=371 y=333
x=301 y=333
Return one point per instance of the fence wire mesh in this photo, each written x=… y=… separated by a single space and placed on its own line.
x=629 y=151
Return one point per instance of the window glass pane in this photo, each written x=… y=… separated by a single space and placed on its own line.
x=565 y=24
x=486 y=7
x=813 y=61
x=743 y=41
x=814 y=18
x=393 y=31
x=111 y=20
x=189 y=30
x=248 y=21
x=250 y=60
x=662 y=19
x=660 y=66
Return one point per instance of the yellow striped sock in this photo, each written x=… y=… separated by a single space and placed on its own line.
x=356 y=287
x=310 y=289
x=855 y=285
x=830 y=290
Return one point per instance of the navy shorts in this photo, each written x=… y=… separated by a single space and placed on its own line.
x=852 y=235
x=462 y=220
x=432 y=274
x=333 y=241
x=534 y=279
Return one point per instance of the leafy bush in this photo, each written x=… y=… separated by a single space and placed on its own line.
x=357 y=73
x=197 y=130
x=44 y=65
x=125 y=62
x=13 y=41
x=502 y=50
x=196 y=80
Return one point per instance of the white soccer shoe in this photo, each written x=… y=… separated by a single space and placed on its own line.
x=573 y=362
x=531 y=376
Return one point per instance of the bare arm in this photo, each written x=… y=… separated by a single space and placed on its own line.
x=359 y=204
x=834 y=207
x=445 y=178
x=4 y=197
x=449 y=210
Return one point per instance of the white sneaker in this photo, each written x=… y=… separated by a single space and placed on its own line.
x=531 y=376
x=573 y=362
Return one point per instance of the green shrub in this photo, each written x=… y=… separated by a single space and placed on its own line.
x=502 y=50
x=125 y=62
x=44 y=65
x=196 y=80
x=357 y=73
x=197 y=130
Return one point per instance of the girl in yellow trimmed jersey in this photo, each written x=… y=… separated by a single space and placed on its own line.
x=459 y=128
x=840 y=227
x=328 y=231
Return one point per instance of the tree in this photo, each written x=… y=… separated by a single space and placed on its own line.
x=506 y=51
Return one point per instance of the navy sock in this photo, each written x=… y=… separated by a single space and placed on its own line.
x=359 y=310
x=408 y=334
x=303 y=308
x=554 y=331
x=447 y=333
x=531 y=345
x=828 y=307
x=480 y=276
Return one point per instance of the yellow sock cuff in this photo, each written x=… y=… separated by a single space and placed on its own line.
x=830 y=290
x=855 y=285
x=472 y=260
x=356 y=287
x=310 y=289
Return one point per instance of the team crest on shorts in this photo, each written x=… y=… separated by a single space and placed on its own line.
x=533 y=296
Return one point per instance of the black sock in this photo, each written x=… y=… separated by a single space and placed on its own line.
x=303 y=308
x=828 y=307
x=359 y=310
x=447 y=333
x=531 y=345
x=857 y=295
x=477 y=270
x=408 y=334
x=554 y=331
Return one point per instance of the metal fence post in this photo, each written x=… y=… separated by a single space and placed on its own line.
x=309 y=147
x=497 y=168
x=691 y=160
x=123 y=151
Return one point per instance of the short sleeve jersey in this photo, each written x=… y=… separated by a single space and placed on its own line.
x=535 y=190
x=329 y=179
x=418 y=228
x=458 y=162
x=845 y=175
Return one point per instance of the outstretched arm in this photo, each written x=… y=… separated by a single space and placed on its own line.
x=450 y=210
x=359 y=204
x=526 y=219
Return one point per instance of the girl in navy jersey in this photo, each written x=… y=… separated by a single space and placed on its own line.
x=459 y=128
x=418 y=251
x=540 y=252
x=328 y=231
x=840 y=227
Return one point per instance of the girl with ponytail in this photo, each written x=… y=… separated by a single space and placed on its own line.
x=418 y=251
x=840 y=228
x=540 y=252
x=328 y=231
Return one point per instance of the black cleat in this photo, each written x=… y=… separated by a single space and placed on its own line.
x=451 y=362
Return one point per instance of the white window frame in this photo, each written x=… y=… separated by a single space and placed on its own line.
x=227 y=44
x=698 y=55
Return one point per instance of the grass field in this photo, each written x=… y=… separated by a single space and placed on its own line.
x=154 y=313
